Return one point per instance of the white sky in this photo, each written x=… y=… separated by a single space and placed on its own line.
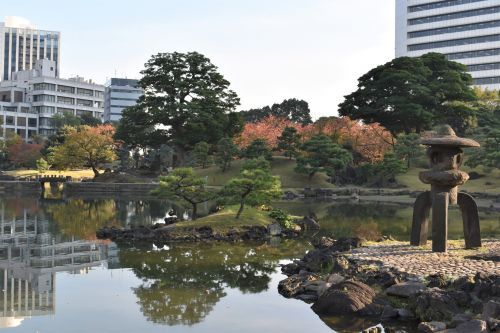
x=269 y=50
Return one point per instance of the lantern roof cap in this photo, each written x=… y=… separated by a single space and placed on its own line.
x=445 y=136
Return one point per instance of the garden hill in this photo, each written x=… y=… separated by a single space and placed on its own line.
x=284 y=168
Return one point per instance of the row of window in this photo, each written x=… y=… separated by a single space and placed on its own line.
x=457 y=28
x=66 y=100
x=21 y=132
x=473 y=54
x=454 y=42
x=486 y=80
x=68 y=89
x=137 y=91
x=452 y=16
x=440 y=4
x=53 y=110
x=483 y=67
x=124 y=99
x=21 y=121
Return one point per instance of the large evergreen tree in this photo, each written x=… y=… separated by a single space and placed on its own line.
x=186 y=100
x=411 y=94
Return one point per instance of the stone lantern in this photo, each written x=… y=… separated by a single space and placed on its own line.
x=445 y=157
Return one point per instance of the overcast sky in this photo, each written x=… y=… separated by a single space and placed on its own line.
x=268 y=49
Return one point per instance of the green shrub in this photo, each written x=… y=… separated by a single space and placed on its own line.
x=282 y=217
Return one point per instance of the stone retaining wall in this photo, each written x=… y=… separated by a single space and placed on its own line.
x=125 y=188
x=22 y=187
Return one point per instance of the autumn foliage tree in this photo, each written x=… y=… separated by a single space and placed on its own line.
x=368 y=142
x=21 y=153
x=269 y=128
x=85 y=146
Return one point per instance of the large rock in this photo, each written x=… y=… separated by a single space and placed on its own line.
x=294 y=285
x=473 y=326
x=435 y=305
x=431 y=327
x=347 y=297
x=308 y=223
x=491 y=310
x=274 y=229
x=405 y=289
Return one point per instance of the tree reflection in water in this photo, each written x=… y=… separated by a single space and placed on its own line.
x=183 y=282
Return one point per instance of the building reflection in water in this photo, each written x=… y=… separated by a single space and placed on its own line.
x=30 y=256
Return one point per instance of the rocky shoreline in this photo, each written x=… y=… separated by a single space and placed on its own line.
x=160 y=234
x=339 y=283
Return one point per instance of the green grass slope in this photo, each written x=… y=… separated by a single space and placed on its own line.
x=488 y=183
x=280 y=166
x=226 y=219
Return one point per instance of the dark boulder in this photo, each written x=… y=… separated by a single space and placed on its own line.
x=435 y=304
x=294 y=285
x=405 y=289
x=347 y=297
x=308 y=223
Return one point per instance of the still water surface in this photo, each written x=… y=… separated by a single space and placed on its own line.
x=56 y=277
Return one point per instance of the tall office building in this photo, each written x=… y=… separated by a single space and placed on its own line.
x=466 y=31
x=119 y=94
x=22 y=44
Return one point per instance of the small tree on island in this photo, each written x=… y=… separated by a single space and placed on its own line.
x=320 y=154
x=226 y=151
x=201 y=154
x=42 y=165
x=289 y=142
x=183 y=184
x=256 y=149
x=85 y=146
x=254 y=186
x=408 y=148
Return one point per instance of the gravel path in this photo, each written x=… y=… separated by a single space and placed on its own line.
x=420 y=261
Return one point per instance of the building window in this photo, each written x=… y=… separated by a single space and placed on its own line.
x=83 y=112
x=486 y=80
x=65 y=89
x=21 y=121
x=32 y=122
x=44 y=109
x=473 y=54
x=44 y=86
x=440 y=4
x=9 y=120
x=65 y=100
x=65 y=110
x=452 y=16
x=85 y=92
x=84 y=102
x=458 y=28
x=44 y=98
x=32 y=133
x=99 y=94
x=454 y=42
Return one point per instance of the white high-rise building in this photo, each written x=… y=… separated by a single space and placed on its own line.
x=466 y=31
x=22 y=44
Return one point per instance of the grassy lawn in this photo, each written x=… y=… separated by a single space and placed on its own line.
x=280 y=166
x=226 y=219
x=489 y=182
x=87 y=173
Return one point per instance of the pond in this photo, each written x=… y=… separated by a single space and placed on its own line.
x=57 y=277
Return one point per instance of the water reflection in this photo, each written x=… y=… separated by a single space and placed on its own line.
x=371 y=220
x=182 y=283
x=30 y=256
